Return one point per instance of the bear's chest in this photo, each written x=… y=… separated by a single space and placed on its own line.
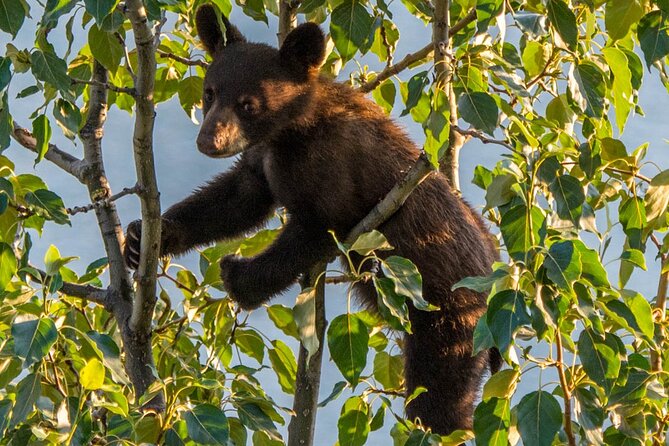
x=299 y=182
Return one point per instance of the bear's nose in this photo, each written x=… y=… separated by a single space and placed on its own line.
x=208 y=143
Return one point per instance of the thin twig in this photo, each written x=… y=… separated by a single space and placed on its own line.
x=105 y=201
x=87 y=292
x=412 y=58
x=70 y=164
x=335 y=280
x=480 y=136
x=106 y=85
x=183 y=60
x=566 y=390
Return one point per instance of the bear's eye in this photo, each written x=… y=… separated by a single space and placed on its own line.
x=249 y=106
x=208 y=95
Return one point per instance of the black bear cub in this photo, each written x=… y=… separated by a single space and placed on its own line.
x=328 y=155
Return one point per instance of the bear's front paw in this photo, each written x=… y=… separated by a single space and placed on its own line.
x=133 y=239
x=236 y=276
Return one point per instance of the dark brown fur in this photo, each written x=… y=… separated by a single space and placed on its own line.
x=328 y=155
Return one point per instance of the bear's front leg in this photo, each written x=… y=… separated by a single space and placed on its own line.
x=253 y=281
x=240 y=279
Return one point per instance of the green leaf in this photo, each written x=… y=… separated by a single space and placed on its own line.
x=480 y=110
x=68 y=117
x=7 y=265
x=481 y=284
x=388 y=370
x=368 y=242
x=408 y=281
x=593 y=270
x=653 y=34
x=5 y=72
x=92 y=376
x=348 y=341
x=12 y=15
x=564 y=21
x=33 y=339
x=563 y=264
x=336 y=391
x=207 y=425
x=657 y=196
x=53 y=261
x=635 y=257
x=305 y=318
x=535 y=57
x=49 y=68
x=633 y=390
x=106 y=48
x=255 y=418
x=99 y=9
x=27 y=393
x=283 y=319
x=353 y=424
x=392 y=306
x=42 y=134
x=520 y=230
x=620 y=16
x=506 y=313
x=569 y=197
x=501 y=385
x=190 y=95
x=385 y=94
x=599 y=356
x=486 y=11
x=415 y=88
x=284 y=365
x=6 y=123
x=622 y=84
x=251 y=344
x=491 y=422
x=591 y=87
x=539 y=418
x=350 y=27
x=49 y=205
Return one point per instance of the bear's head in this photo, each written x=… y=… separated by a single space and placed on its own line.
x=252 y=91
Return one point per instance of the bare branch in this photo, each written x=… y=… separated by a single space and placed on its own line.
x=287 y=18
x=145 y=297
x=70 y=164
x=183 y=60
x=421 y=169
x=480 y=136
x=95 y=180
x=412 y=58
x=86 y=292
x=308 y=378
x=335 y=280
x=104 y=202
x=105 y=85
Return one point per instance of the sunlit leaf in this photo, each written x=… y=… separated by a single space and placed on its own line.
x=348 y=339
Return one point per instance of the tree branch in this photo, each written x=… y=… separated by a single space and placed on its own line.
x=480 y=136
x=70 y=164
x=308 y=378
x=145 y=297
x=105 y=85
x=287 y=18
x=86 y=292
x=412 y=58
x=421 y=169
x=183 y=60
x=104 y=202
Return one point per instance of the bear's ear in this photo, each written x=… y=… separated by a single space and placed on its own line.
x=304 y=48
x=209 y=29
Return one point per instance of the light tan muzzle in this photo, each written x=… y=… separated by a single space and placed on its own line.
x=221 y=135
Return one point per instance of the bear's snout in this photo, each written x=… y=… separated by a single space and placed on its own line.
x=218 y=139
